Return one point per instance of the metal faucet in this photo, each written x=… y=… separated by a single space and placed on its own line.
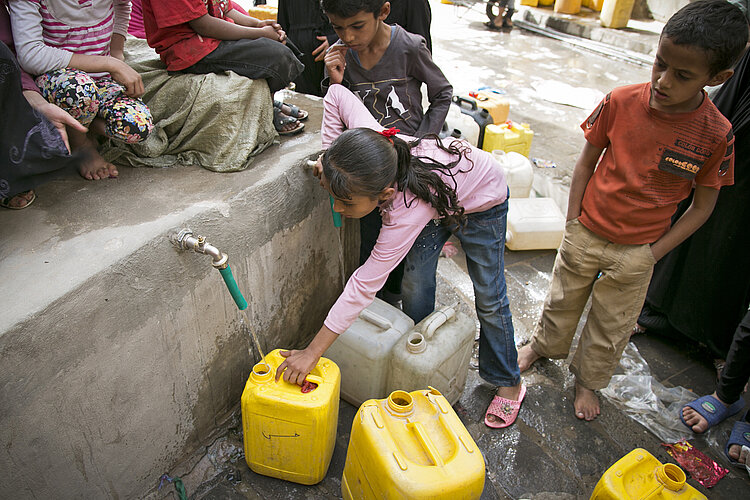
x=185 y=240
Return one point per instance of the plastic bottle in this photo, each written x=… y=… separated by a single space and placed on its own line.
x=289 y=433
x=436 y=353
x=519 y=173
x=616 y=13
x=411 y=445
x=363 y=352
x=639 y=476
x=534 y=224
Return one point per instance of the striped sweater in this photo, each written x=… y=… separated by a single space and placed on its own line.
x=48 y=32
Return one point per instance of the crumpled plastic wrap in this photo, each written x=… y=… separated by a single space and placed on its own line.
x=697 y=464
x=646 y=400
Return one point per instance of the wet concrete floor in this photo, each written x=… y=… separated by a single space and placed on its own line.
x=548 y=453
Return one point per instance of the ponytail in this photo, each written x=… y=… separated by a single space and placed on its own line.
x=364 y=162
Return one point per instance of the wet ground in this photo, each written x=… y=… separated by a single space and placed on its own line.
x=548 y=453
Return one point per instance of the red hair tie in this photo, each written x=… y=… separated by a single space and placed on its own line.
x=389 y=132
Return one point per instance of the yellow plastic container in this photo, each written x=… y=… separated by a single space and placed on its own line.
x=530 y=3
x=593 y=4
x=616 y=13
x=568 y=6
x=508 y=136
x=411 y=445
x=546 y=3
x=289 y=434
x=263 y=12
x=639 y=475
x=496 y=104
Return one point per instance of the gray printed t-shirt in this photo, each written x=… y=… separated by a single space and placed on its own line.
x=392 y=89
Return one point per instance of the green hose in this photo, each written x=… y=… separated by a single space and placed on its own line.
x=336 y=215
x=234 y=290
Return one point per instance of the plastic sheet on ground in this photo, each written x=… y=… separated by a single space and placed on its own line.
x=562 y=93
x=646 y=400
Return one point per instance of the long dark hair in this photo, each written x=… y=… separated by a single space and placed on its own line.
x=363 y=162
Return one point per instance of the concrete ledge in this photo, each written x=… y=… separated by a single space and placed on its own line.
x=119 y=353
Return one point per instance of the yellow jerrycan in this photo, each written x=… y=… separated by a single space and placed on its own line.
x=567 y=6
x=616 y=13
x=508 y=136
x=639 y=476
x=411 y=445
x=289 y=431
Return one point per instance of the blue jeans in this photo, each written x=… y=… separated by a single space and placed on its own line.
x=483 y=241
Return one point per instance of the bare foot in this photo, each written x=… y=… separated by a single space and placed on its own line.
x=93 y=166
x=586 y=403
x=737 y=453
x=695 y=420
x=526 y=357
x=511 y=393
x=19 y=201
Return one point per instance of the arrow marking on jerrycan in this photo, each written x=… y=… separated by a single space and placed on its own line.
x=279 y=435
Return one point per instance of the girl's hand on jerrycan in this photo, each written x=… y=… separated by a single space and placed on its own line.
x=296 y=366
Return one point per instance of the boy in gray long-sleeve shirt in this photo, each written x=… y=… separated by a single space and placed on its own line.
x=386 y=66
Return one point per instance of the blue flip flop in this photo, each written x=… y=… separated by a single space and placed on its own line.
x=741 y=436
x=713 y=410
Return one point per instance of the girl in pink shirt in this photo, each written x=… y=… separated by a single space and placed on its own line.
x=425 y=191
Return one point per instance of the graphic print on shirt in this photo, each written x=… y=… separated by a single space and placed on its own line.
x=384 y=102
x=217 y=8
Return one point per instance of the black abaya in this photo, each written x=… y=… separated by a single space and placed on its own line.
x=31 y=149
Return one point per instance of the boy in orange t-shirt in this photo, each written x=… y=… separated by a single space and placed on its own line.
x=660 y=140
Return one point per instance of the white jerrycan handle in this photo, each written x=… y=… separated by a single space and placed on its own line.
x=376 y=319
x=437 y=319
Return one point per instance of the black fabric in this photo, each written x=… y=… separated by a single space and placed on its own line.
x=415 y=16
x=303 y=21
x=736 y=370
x=257 y=59
x=32 y=151
x=701 y=289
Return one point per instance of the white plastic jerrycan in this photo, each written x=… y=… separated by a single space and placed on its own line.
x=519 y=172
x=465 y=124
x=435 y=353
x=534 y=224
x=363 y=352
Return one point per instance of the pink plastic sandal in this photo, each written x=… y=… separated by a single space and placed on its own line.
x=504 y=409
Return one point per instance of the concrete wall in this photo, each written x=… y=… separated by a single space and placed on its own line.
x=106 y=386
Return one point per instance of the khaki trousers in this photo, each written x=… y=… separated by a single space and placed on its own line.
x=617 y=296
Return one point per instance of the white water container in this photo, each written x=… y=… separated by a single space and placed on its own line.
x=435 y=353
x=456 y=120
x=519 y=173
x=534 y=224
x=363 y=352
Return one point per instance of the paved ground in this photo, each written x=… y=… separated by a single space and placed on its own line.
x=548 y=453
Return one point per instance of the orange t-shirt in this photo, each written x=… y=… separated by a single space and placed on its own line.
x=650 y=163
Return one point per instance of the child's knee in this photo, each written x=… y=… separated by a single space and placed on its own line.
x=128 y=120
x=72 y=90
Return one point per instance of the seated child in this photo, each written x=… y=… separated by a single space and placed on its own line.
x=76 y=51
x=659 y=139
x=200 y=37
x=426 y=191
x=386 y=67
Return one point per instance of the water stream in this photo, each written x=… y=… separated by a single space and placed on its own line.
x=244 y=320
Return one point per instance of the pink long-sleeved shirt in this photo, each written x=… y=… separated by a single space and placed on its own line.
x=479 y=187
